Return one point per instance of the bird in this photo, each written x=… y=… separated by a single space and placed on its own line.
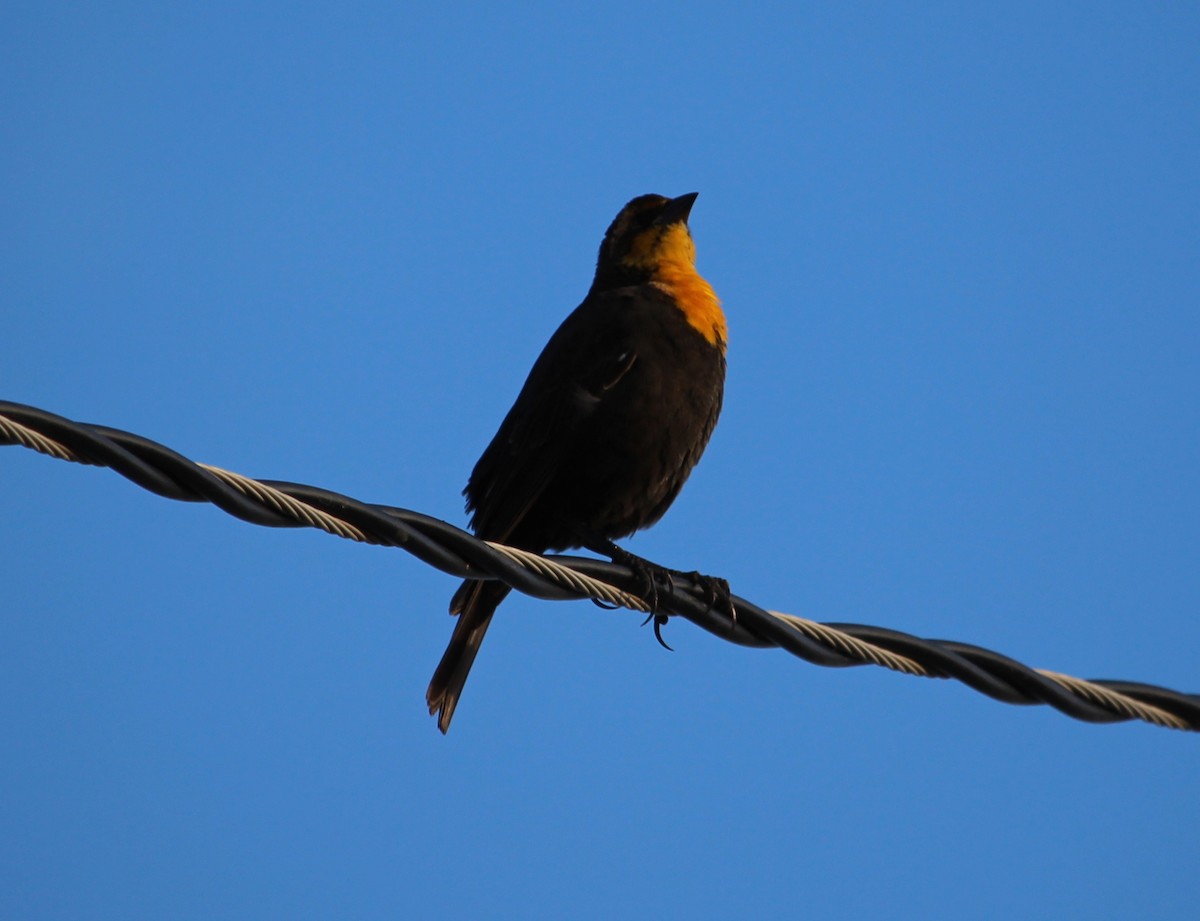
x=613 y=416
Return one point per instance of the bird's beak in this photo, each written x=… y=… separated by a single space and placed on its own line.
x=676 y=211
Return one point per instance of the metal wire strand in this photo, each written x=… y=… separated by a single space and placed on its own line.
x=557 y=577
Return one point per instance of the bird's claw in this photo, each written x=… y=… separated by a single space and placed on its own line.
x=659 y=620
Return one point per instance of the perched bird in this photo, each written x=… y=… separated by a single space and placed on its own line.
x=612 y=418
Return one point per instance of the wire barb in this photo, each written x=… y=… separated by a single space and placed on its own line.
x=452 y=550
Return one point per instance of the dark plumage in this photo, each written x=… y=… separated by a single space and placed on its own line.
x=612 y=418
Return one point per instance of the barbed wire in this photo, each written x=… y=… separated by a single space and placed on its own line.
x=279 y=504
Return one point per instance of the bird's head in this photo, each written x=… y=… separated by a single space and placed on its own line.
x=648 y=237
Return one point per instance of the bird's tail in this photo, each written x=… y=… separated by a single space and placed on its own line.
x=475 y=602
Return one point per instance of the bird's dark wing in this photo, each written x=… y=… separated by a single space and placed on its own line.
x=585 y=359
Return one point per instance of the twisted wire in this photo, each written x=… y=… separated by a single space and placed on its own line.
x=280 y=504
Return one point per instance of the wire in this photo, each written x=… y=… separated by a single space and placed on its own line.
x=278 y=504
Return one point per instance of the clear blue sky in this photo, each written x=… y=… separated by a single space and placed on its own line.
x=958 y=247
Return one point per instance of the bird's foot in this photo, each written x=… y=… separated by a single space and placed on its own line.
x=714 y=589
x=716 y=594
x=648 y=576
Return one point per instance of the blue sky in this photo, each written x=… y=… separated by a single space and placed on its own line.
x=957 y=246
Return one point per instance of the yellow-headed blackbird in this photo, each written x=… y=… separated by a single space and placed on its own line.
x=613 y=416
